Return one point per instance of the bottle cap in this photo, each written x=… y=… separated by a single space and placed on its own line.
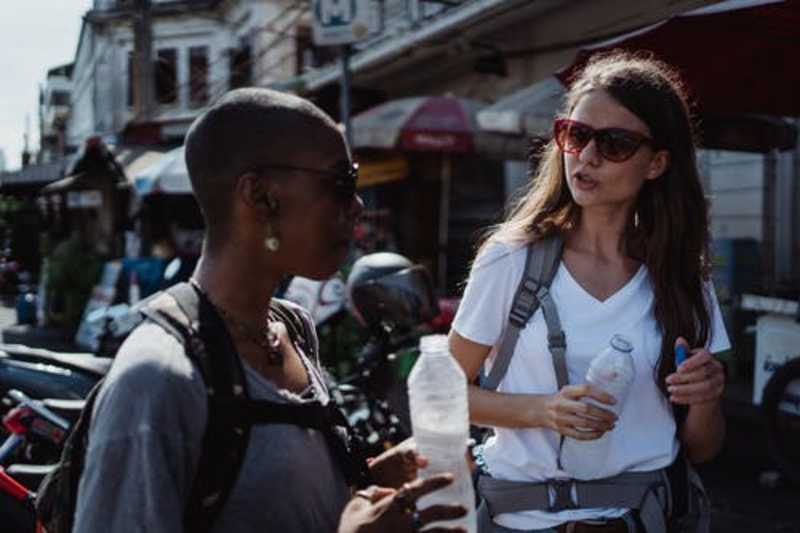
x=618 y=342
x=433 y=343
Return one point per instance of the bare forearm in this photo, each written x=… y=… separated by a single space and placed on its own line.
x=498 y=409
x=703 y=432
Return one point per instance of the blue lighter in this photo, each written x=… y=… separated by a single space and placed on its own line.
x=680 y=355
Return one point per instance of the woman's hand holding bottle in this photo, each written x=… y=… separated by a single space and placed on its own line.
x=568 y=413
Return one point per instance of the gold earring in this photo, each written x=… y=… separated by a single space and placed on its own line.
x=272 y=242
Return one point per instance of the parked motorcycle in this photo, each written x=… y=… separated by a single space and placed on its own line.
x=45 y=374
x=393 y=300
x=36 y=431
x=16 y=505
x=28 y=423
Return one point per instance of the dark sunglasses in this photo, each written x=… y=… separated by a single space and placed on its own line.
x=614 y=144
x=343 y=177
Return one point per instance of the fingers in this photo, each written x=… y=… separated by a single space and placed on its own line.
x=438 y=513
x=701 y=378
x=583 y=423
x=581 y=427
x=578 y=418
x=701 y=392
x=604 y=416
x=373 y=493
x=413 y=490
x=581 y=434
x=589 y=412
x=577 y=392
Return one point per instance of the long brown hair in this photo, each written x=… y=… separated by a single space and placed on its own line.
x=668 y=227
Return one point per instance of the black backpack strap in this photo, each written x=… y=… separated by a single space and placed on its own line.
x=327 y=419
x=334 y=425
x=225 y=440
x=541 y=264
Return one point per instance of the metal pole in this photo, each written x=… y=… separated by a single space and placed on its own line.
x=444 y=220
x=344 y=95
x=768 y=264
x=795 y=213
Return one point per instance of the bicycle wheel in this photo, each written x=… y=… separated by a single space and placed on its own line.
x=781 y=405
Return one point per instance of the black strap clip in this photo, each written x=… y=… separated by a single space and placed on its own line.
x=560 y=494
x=558 y=340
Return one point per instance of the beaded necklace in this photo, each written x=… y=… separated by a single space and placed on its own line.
x=265 y=338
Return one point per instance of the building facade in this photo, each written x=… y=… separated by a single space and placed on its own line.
x=199 y=50
x=55 y=97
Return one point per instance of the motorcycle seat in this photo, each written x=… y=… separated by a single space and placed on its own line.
x=81 y=361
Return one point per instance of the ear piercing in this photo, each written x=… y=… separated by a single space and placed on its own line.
x=272 y=243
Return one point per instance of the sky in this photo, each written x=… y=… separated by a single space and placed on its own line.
x=35 y=35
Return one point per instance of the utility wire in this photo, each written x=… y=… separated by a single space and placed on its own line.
x=279 y=35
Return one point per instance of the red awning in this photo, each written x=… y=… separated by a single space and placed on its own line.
x=737 y=56
x=431 y=123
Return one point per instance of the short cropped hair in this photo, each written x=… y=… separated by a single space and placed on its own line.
x=245 y=129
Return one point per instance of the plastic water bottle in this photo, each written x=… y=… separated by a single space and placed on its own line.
x=612 y=371
x=437 y=394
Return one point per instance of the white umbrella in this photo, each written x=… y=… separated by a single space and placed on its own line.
x=529 y=111
x=168 y=175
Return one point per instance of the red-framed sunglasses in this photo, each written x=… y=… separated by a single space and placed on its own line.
x=614 y=144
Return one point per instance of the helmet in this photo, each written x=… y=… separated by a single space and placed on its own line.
x=388 y=288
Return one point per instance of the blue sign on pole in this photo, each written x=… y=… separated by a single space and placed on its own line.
x=338 y=22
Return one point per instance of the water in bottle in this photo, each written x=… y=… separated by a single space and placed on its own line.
x=437 y=395
x=612 y=371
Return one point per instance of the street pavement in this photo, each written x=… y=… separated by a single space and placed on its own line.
x=747 y=496
x=747 y=493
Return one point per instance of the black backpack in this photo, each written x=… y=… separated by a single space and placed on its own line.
x=189 y=316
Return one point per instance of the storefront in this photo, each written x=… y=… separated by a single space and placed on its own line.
x=448 y=188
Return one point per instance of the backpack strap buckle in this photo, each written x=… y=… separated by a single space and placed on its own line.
x=525 y=301
x=561 y=495
x=557 y=340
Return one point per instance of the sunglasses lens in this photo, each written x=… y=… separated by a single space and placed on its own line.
x=617 y=145
x=614 y=144
x=572 y=137
x=346 y=183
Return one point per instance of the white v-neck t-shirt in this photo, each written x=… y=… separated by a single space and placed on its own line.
x=645 y=435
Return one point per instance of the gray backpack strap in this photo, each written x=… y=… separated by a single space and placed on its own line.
x=647 y=492
x=541 y=264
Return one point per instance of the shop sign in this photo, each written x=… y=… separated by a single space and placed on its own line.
x=381 y=171
x=340 y=21
x=436 y=142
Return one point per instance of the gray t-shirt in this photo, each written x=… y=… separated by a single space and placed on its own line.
x=145 y=441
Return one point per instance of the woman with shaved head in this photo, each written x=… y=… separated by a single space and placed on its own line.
x=277 y=187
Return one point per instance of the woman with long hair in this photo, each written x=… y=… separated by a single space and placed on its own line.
x=619 y=185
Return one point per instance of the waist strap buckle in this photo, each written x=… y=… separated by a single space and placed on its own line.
x=560 y=492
